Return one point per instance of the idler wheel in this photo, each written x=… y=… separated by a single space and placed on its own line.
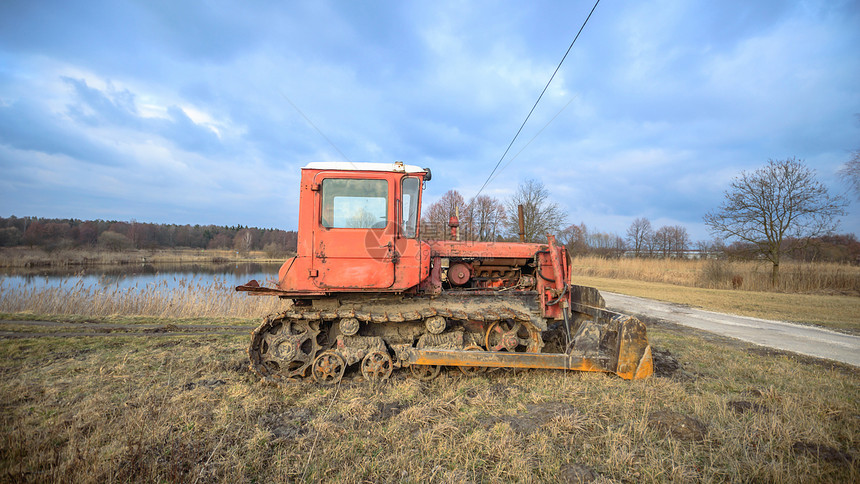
x=328 y=368
x=349 y=326
x=473 y=370
x=377 y=366
x=425 y=372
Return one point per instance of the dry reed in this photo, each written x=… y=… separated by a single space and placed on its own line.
x=187 y=300
x=16 y=257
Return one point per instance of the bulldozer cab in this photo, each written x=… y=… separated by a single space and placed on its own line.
x=364 y=223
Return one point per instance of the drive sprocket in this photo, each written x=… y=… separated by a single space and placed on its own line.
x=514 y=336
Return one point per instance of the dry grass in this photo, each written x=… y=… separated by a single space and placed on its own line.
x=838 y=312
x=795 y=277
x=20 y=257
x=188 y=300
x=186 y=409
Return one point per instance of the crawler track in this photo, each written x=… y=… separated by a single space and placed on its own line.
x=300 y=342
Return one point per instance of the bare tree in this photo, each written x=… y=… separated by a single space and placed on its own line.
x=541 y=215
x=680 y=240
x=435 y=220
x=780 y=200
x=606 y=244
x=243 y=241
x=484 y=217
x=663 y=242
x=710 y=248
x=850 y=173
x=671 y=241
x=638 y=234
x=575 y=238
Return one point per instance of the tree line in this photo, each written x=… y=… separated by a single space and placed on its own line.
x=797 y=214
x=486 y=218
x=55 y=234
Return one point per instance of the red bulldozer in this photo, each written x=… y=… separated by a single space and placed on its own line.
x=366 y=289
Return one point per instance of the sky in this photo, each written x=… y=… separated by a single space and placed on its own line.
x=204 y=112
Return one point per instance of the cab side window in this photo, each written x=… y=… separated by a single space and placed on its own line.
x=410 y=187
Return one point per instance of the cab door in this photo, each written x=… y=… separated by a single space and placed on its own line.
x=353 y=245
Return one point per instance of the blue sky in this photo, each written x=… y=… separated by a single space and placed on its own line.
x=179 y=112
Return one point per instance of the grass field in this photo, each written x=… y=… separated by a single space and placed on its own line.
x=185 y=408
x=795 y=277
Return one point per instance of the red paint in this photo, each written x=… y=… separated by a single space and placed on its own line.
x=334 y=257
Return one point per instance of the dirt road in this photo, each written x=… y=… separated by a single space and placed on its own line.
x=73 y=330
x=806 y=340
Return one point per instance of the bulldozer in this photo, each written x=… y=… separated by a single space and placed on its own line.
x=367 y=290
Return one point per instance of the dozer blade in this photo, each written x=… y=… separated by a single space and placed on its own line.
x=598 y=332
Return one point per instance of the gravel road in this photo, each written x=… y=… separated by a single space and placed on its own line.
x=797 y=338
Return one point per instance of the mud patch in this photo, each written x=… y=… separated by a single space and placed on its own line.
x=505 y=391
x=665 y=364
x=742 y=406
x=576 y=474
x=209 y=383
x=822 y=452
x=168 y=328
x=168 y=344
x=677 y=425
x=534 y=417
x=385 y=411
x=287 y=424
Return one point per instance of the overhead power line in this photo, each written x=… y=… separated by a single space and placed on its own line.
x=538 y=100
x=499 y=172
x=315 y=127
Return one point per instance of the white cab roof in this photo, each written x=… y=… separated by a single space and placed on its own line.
x=361 y=166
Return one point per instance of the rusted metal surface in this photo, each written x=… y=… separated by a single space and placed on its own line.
x=287 y=345
x=459 y=273
x=484 y=250
x=503 y=359
x=377 y=365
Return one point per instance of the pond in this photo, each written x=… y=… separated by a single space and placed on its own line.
x=167 y=276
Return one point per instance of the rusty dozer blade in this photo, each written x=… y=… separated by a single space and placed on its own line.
x=620 y=338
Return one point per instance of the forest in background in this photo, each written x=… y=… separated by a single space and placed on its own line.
x=61 y=234
x=489 y=224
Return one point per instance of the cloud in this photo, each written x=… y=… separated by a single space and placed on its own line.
x=26 y=126
x=97 y=108
x=186 y=108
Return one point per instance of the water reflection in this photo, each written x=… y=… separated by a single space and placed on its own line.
x=141 y=276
